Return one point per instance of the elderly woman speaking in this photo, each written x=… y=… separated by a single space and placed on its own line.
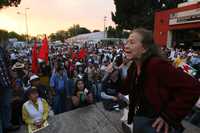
x=160 y=94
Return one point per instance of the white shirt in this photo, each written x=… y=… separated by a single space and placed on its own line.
x=198 y=103
x=13 y=56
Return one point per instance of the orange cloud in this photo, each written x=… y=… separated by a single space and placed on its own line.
x=48 y=16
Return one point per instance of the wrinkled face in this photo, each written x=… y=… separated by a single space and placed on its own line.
x=80 y=85
x=134 y=48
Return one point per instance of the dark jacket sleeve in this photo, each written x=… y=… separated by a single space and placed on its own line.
x=5 y=57
x=183 y=89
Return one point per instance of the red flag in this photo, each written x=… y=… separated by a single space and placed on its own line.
x=34 y=59
x=82 y=54
x=44 y=51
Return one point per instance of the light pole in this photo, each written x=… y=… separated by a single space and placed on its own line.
x=26 y=21
x=104 y=26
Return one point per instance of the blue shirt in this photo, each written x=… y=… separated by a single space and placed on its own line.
x=195 y=60
x=59 y=82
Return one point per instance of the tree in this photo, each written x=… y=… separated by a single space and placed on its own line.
x=76 y=30
x=111 y=32
x=52 y=37
x=116 y=32
x=7 y=3
x=13 y=34
x=22 y=37
x=72 y=31
x=3 y=36
x=96 y=30
x=83 y=30
x=139 y=13
x=59 y=35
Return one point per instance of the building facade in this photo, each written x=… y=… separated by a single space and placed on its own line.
x=178 y=27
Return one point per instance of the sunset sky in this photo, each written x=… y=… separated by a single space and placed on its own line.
x=49 y=16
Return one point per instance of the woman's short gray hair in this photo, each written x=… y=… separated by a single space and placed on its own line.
x=148 y=43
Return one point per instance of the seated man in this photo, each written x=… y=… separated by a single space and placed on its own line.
x=35 y=111
x=111 y=85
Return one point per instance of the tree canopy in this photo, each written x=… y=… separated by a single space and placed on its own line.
x=72 y=31
x=3 y=36
x=96 y=31
x=59 y=35
x=13 y=34
x=139 y=13
x=116 y=32
x=9 y=3
x=76 y=30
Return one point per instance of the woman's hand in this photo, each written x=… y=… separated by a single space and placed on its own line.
x=159 y=124
x=114 y=98
x=78 y=94
x=38 y=124
x=120 y=96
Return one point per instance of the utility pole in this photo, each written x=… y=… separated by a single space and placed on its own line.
x=26 y=22
x=104 y=26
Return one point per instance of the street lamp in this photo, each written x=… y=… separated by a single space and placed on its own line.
x=26 y=21
x=104 y=25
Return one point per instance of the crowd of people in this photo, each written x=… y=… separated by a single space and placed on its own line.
x=73 y=77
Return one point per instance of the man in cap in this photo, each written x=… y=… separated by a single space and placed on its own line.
x=42 y=89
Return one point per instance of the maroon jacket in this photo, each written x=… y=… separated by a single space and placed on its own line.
x=170 y=91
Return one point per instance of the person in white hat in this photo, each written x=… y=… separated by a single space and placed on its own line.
x=33 y=77
x=42 y=89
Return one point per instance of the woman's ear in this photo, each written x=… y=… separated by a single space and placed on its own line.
x=144 y=49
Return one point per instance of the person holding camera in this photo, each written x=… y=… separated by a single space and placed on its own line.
x=111 y=87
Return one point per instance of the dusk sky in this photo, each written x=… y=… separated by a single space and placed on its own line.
x=49 y=16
